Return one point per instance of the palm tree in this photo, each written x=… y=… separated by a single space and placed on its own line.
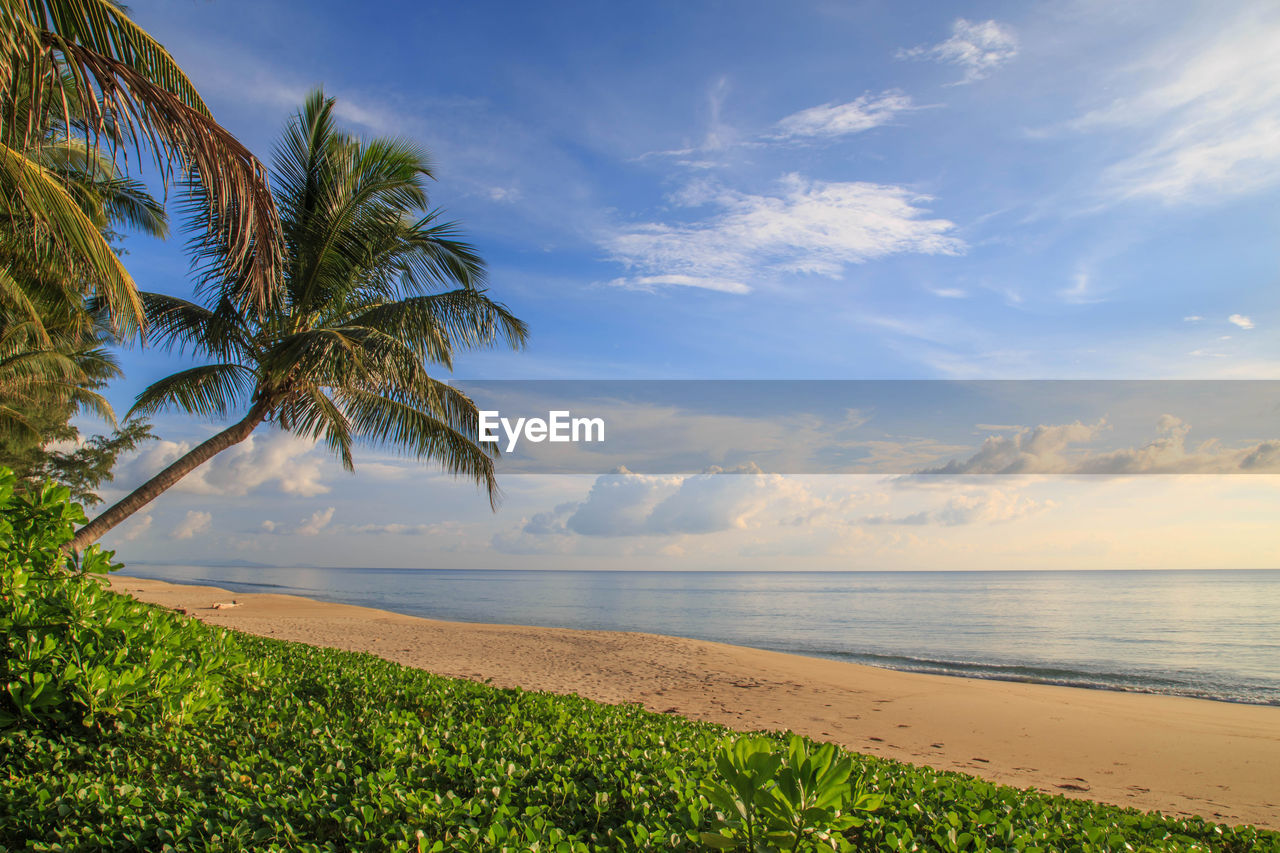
x=88 y=56
x=53 y=348
x=375 y=287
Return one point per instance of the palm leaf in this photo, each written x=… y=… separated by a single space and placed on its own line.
x=179 y=324
x=122 y=84
x=211 y=390
x=403 y=428
x=30 y=188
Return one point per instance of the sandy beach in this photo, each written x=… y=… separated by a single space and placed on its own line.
x=1181 y=756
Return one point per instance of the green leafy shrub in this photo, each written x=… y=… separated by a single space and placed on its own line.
x=349 y=752
x=305 y=749
x=784 y=799
x=76 y=655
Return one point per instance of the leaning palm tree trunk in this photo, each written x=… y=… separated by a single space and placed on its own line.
x=154 y=487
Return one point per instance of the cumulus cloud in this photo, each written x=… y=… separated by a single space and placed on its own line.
x=193 y=523
x=1055 y=449
x=1240 y=320
x=1207 y=116
x=978 y=48
x=273 y=460
x=812 y=227
x=317 y=522
x=828 y=121
x=618 y=504
x=623 y=503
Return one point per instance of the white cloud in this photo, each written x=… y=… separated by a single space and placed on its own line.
x=618 y=504
x=1194 y=318
x=270 y=460
x=1207 y=113
x=832 y=120
x=978 y=48
x=192 y=524
x=652 y=282
x=1241 y=321
x=317 y=522
x=811 y=227
x=624 y=503
x=1056 y=449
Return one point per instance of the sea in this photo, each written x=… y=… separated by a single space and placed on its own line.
x=1206 y=634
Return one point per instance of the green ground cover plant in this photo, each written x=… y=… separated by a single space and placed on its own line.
x=232 y=742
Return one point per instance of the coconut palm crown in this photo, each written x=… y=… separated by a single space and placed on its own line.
x=88 y=58
x=374 y=289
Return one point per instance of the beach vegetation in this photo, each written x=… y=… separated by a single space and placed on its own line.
x=768 y=797
x=79 y=658
x=376 y=286
x=130 y=727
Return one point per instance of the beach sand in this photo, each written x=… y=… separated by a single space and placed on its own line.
x=1182 y=756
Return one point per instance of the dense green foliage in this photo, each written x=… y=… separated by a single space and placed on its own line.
x=76 y=655
x=349 y=752
x=128 y=727
x=60 y=454
x=797 y=797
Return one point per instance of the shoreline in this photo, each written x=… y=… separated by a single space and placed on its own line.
x=1176 y=754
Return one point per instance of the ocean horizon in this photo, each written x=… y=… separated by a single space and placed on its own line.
x=1202 y=634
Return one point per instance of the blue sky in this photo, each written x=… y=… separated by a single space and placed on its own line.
x=744 y=189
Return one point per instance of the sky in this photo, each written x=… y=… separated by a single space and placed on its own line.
x=783 y=191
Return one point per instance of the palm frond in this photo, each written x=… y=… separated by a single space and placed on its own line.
x=314 y=415
x=178 y=324
x=439 y=258
x=130 y=88
x=442 y=322
x=28 y=187
x=211 y=390
x=403 y=428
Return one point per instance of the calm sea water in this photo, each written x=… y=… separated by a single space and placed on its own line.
x=1208 y=634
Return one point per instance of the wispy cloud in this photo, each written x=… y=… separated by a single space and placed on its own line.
x=810 y=227
x=822 y=123
x=828 y=121
x=977 y=48
x=991 y=506
x=1207 y=110
x=1240 y=320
